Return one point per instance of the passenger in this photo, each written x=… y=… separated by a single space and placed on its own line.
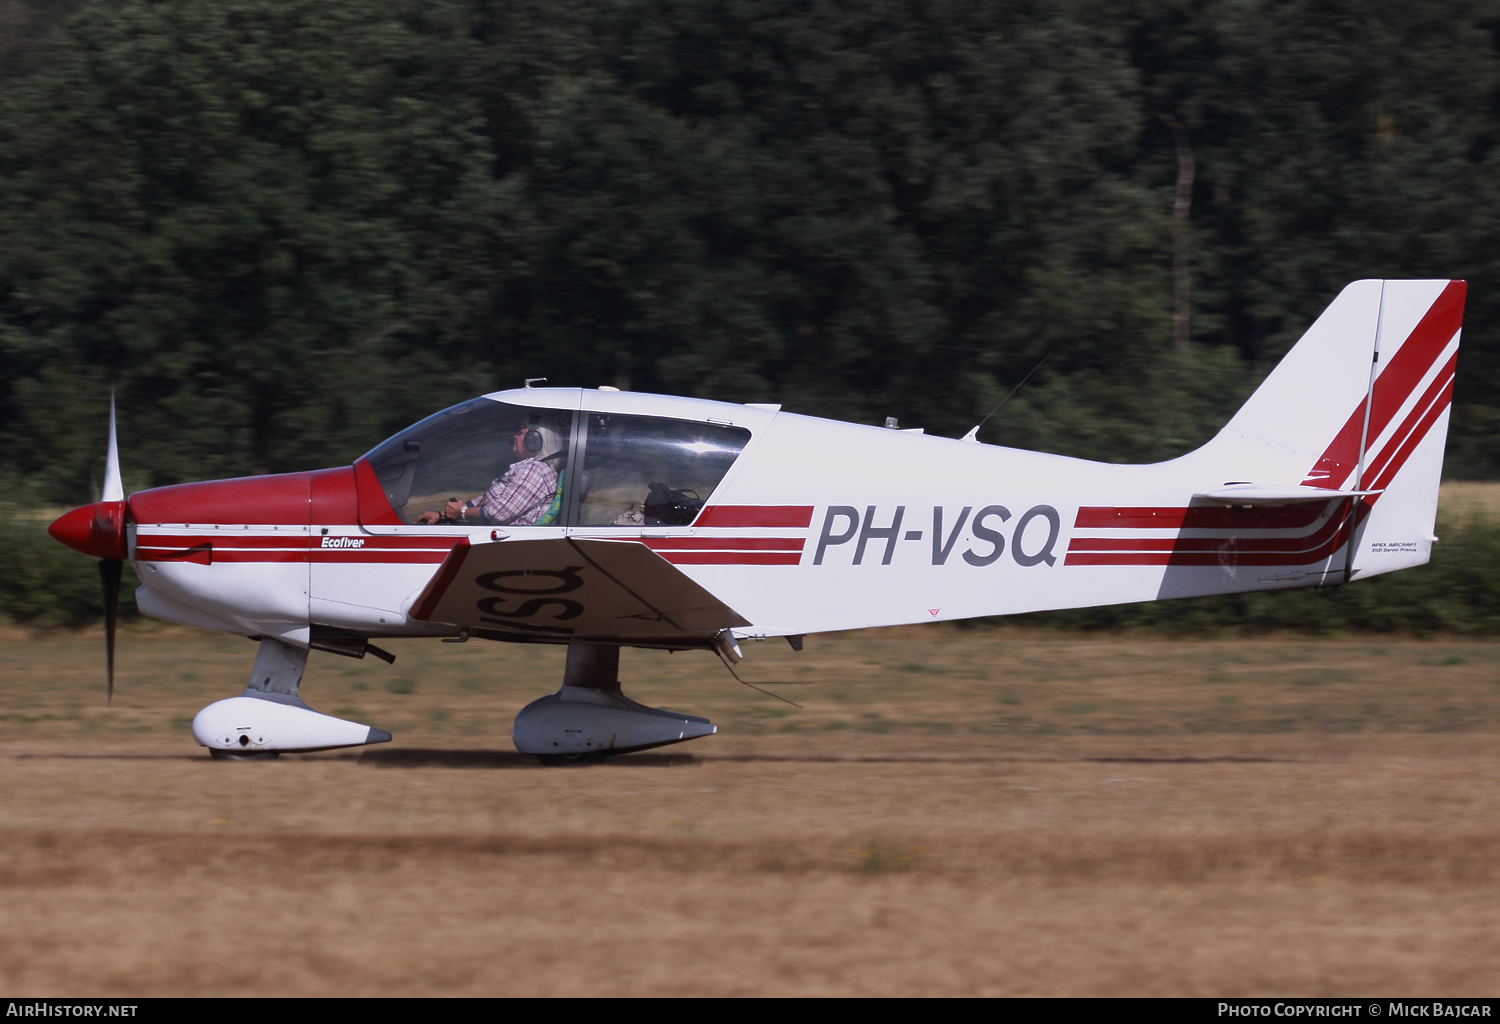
x=523 y=496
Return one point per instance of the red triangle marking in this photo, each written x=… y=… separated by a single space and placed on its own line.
x=933 y=611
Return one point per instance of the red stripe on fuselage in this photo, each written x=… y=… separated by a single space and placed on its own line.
x=429 y=556
x=169 y=540
x=732 y=557
x=1292 y=545
x=301 y=555
x=229 y=546
x=1116 y=558
x=779 y=517
x=301 y=540
x=1234 y=554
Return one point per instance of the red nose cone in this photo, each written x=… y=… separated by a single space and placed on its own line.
x=97 y=529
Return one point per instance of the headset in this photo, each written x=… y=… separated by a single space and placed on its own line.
x=533 y=440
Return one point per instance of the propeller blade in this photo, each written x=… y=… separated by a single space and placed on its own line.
x=114 y=489
x=110 y=570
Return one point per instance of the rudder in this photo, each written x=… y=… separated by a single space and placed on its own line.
x=1361 y=403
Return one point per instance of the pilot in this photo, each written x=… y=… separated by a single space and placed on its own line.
x=524 y=495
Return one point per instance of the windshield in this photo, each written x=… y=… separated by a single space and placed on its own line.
x=463 y=453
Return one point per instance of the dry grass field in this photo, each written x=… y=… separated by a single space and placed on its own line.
x=949 y=812
x=1461 y=498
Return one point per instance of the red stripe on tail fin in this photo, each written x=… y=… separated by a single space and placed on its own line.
x=1393 y=386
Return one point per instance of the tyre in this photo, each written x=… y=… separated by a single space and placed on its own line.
x=566 y=760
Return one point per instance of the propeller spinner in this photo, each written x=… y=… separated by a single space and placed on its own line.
x=99 y=530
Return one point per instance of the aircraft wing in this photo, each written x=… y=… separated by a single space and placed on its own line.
x=568 y=588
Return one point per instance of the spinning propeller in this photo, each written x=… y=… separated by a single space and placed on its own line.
x=99 y=530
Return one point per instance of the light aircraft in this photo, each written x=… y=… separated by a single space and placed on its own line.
x=679 y=524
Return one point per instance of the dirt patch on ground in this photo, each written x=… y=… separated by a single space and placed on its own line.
x=949 y=813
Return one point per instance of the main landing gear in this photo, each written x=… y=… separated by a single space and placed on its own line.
x=269 y=718
x=585 y=721
x=589 y=719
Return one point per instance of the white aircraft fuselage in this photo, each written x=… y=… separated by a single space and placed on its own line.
x=683 y=523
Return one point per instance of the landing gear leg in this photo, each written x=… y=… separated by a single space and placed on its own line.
x=589 y=719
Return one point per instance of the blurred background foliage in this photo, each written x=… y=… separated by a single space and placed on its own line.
x=283 y=229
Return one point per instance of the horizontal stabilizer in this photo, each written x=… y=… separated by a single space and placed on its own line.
x=569 y=589
x=1291 y=494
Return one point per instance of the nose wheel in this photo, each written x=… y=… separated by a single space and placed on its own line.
x=565 y=760
x=269 y=717
x=254 y=755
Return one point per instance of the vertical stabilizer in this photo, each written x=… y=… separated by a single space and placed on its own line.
x=1302 y=406
x=1361 y=404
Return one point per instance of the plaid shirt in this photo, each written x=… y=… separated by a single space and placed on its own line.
x=520 y=496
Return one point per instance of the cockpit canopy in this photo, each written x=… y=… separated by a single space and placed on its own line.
x=610 y=470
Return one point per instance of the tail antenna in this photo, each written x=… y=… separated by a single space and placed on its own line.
x=973 y=434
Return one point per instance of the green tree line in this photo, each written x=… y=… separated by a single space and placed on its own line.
x=282 y=229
